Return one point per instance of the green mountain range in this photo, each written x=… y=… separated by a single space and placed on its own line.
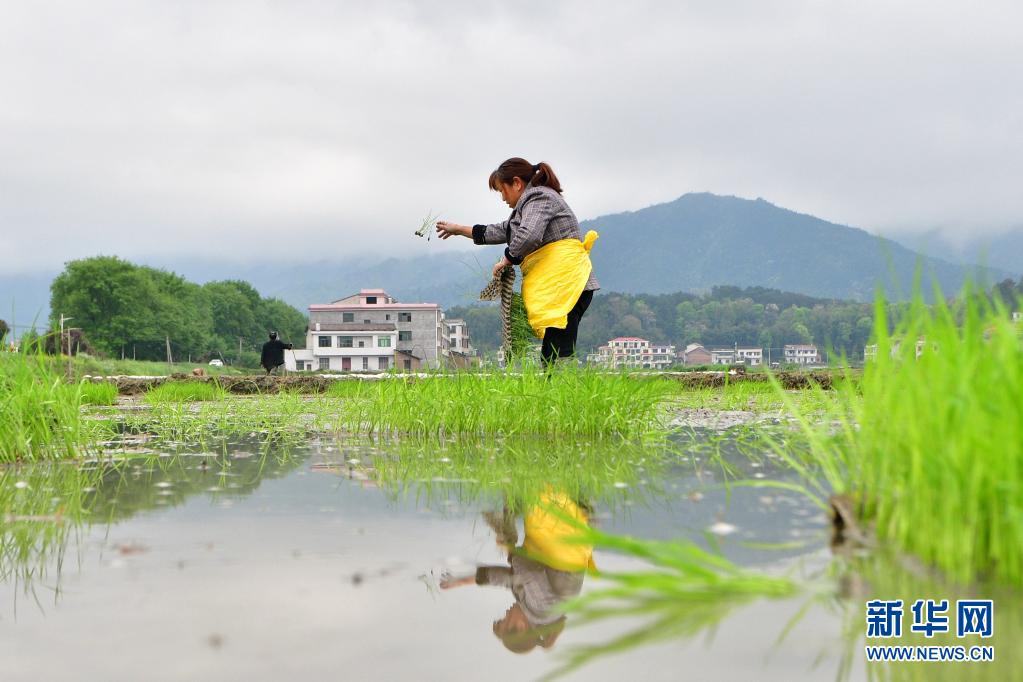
x=691 y=244
x=702 y=240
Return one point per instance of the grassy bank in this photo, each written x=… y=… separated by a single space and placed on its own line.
x=83 y=365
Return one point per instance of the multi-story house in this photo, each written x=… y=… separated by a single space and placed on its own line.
x=372 y=331
x=801 y=354
x=870 y=351
x=458 y=336
x=722 y=356
x=749 y=355
x=459 y=346
x=631 y=351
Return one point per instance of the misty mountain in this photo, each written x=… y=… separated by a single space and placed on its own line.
x=1000 y=251
x=690 y=244
x=702 y=240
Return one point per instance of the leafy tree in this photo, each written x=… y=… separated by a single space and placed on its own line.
x=234 y=315
x=274 y=314
x=120 y=305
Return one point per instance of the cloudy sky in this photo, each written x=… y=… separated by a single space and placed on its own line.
x=309 y=129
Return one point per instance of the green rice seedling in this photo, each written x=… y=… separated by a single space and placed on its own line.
x=688 y=592
x=929 y=443
x=188 y=391
x=103 y=393
x=522 y=336
x=426 y=227
x=41 y=505
x=569 y=402
x=752 y=396
x=274 y=419
x=40 y=415
x=349 y=388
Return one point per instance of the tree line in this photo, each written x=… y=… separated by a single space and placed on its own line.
x=727 y=315
x=132 y=310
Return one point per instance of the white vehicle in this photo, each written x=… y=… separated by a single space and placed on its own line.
x=216 y=363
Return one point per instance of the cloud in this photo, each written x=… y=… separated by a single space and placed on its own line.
x=302 y=129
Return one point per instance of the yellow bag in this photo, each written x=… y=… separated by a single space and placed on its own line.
x=553 y=278
x=548 y=534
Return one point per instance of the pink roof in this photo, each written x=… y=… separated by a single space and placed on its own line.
x=338 y=305
x=627 y=338
x=327 y=307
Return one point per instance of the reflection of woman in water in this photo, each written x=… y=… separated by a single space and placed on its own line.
x=543 y=572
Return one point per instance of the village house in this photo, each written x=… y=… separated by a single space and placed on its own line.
x=750 y=356
x=632 y=351
x=870 y=351
x=460 y=350
x=695 y=354
x=722 y=356
x=371 y=331
x=801 y=354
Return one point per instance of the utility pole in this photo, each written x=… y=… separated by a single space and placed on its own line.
x=238 y=362
x=170 y=359
x=64 y=319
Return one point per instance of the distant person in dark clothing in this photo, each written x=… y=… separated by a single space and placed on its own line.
x=273 y=353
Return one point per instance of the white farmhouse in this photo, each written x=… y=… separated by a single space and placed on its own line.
x=632 y=351
x=802 y=354
x=371 y=331
x=722 y=356
x=749 y=355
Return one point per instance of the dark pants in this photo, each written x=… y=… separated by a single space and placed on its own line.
x=560 y=343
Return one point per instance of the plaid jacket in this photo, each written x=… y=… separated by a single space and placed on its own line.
x=540 y=217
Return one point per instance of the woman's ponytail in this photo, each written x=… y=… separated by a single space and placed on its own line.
x=540 y=175
x=545 y=177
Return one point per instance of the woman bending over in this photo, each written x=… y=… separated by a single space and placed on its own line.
x=543 y=239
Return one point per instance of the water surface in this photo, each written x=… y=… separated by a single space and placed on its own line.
x=249 y=565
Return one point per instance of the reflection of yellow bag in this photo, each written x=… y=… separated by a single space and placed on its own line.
x=547 y=534
x=553 y=278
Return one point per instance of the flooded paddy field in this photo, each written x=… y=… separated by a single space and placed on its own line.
x=255 y=565
x=575 y=525
x=327 y=559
